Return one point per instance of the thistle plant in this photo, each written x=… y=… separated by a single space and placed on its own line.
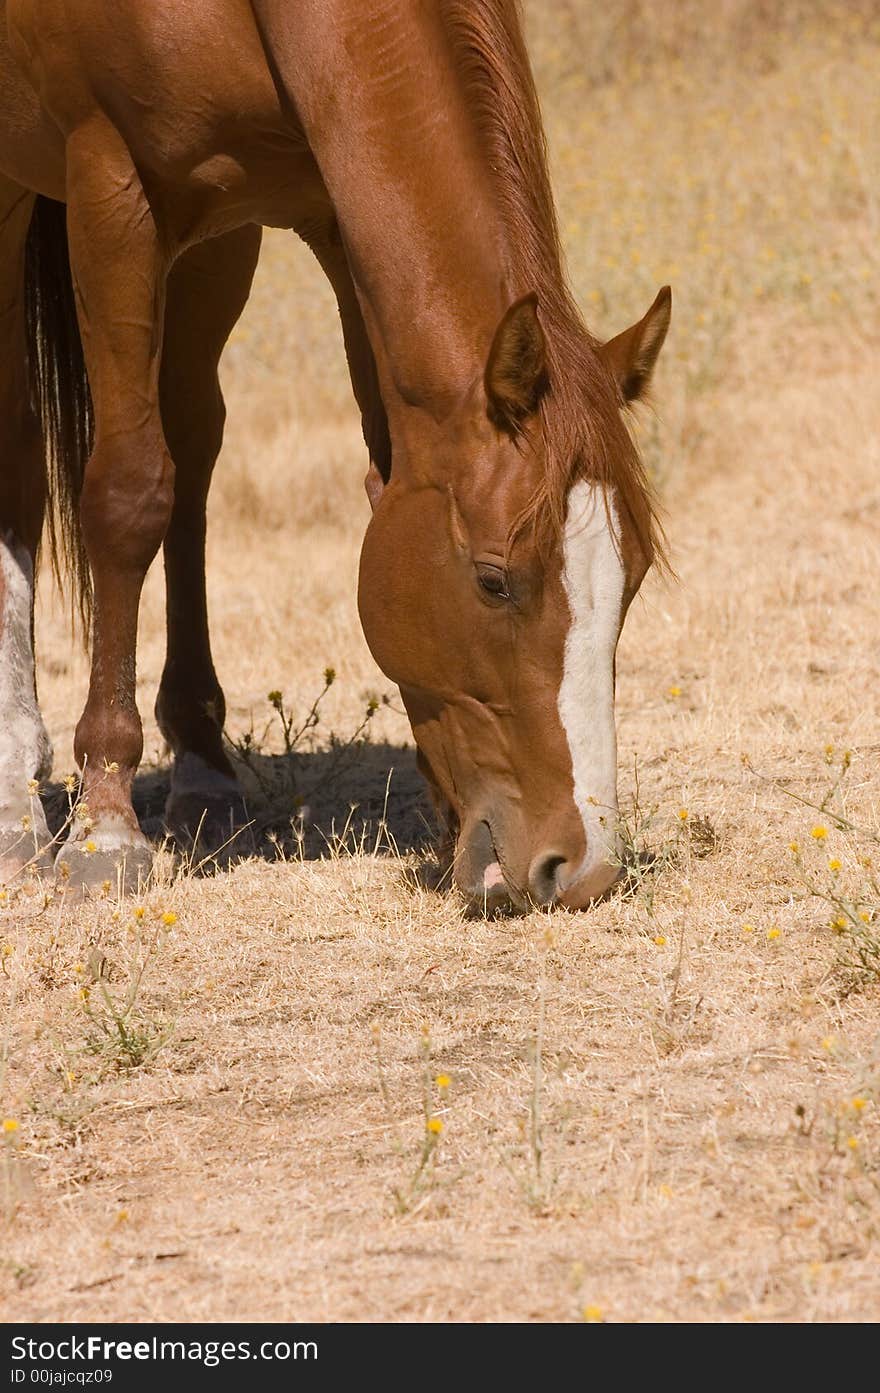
x=837 y=862
x=118 y=1027
x=418 y=1169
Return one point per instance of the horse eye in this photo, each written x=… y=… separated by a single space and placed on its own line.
x=493 y=580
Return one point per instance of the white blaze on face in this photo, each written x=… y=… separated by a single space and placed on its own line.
x=25 y=752
x=593 y=577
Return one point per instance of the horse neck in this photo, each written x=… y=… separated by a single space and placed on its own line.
x=388 y=120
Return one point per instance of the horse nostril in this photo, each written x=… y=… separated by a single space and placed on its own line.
x=545 y=874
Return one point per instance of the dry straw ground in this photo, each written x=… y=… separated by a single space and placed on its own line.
x=665 y=1108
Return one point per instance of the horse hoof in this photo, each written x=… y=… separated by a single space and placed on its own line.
x=21 y=854
x=214 y=827
x=116 y=864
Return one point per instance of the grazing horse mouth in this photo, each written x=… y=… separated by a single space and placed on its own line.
x=491 y=888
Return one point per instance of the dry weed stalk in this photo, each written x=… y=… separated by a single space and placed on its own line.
x=119 y=1029
x=276 y=773
x=413 y=1191
x=847 y=881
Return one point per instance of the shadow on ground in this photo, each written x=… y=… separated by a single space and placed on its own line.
x=369 y=797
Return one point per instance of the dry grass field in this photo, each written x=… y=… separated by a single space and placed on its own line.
x=223 y=1103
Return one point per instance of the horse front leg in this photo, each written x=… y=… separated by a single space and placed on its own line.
x=119 y=275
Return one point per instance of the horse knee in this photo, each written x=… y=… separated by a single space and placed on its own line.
x=126 y=503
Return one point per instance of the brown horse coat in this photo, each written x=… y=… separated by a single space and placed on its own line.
x=511 y=526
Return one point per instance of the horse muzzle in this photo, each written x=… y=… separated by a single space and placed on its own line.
x=485 y=873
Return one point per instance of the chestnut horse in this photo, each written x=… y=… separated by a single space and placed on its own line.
x=511 y=524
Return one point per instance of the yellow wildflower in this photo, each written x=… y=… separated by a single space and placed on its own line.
x=435 y=1125
x=819 y=833
x=90 y=848
x=774 y=933
x=660 y=940
x=169 y=918
x=834 y=864
x=442 y=1080
x=857 y=1104
x=10 y=1125
x=852 y=1143
x=593 y=1315
x=683 y=814
x=674 y=692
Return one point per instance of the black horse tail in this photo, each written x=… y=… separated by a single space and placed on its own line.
x=60 y=392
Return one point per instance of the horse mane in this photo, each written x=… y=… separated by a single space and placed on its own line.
x=583 y=430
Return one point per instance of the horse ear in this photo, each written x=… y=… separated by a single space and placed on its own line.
x=630 y=357
x=516 y=370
